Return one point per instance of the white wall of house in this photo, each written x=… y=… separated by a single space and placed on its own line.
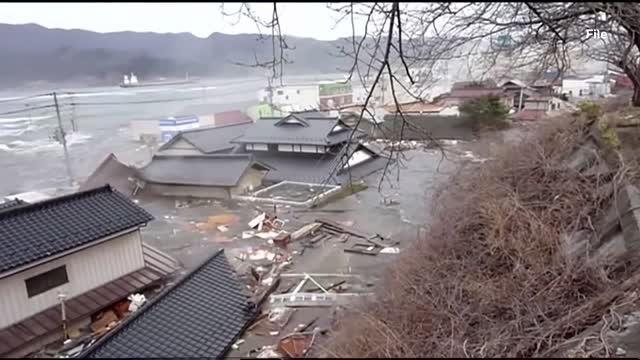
x=575 y=87
x=302 y=148
x=450 y=111
x=298 y=97
x=357 y=157
x=256 y=147
x=86 y=270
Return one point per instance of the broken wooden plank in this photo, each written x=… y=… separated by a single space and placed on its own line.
x=331 y=287
x=374 y=241
x=304 y=231
x=365 y=249
x=343 y=229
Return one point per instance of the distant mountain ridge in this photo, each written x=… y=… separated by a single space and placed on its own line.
x=31 y=53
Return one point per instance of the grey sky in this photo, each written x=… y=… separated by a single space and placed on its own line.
x=201 y=19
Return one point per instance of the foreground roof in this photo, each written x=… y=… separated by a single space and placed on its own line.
x=210 y=139
x=158 y=266
x=37 y=231
x=200 y=170
x=10 y=204
x=199 y=317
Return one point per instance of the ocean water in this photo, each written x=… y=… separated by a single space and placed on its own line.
x=31 y=159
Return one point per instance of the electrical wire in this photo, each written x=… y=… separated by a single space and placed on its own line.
x=27 y=109
x=24 y=98
x=134 y=102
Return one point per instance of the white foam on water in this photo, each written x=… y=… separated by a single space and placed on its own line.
x=78 y=138
x=203 y=88
x=41 y=145
x=25 y=118
x=13 y=131
x=92 y=94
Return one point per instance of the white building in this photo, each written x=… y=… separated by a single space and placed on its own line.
x=586 y=87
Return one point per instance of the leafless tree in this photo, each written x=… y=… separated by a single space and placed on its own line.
x=410 y=46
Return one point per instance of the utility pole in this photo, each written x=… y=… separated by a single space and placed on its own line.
x=62 y=137
x=61 y=297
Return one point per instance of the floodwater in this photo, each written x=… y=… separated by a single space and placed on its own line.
x=174 y=230
x=32 y=160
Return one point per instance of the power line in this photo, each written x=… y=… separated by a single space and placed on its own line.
x=24 y=98
x=27 y=109
x=135 y=102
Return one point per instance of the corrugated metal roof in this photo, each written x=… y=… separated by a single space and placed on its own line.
x=157 y=267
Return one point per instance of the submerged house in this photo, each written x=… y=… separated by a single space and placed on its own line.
x=200 y=317
x=226 y=161
x=203 y=176
x=84 y=248
x=204 y=141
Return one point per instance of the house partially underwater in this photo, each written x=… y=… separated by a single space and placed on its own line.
x=231 y=160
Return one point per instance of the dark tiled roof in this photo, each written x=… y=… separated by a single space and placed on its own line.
x=202 y=170
x=37 y=231
x=210 y=139
x=475 y=92
x=312 y=131
x=311 y=168
x=111 y=171
x=199 y=317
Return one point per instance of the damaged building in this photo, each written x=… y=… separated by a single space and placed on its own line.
x=303 y=147
x=200 y=316
x=82 y=252
x=203 y=176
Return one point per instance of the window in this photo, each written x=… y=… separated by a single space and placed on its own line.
x=298 y=92
x=286 y=97
x=287 y=148
x=280 y=92
x=46 y=281
x=260 y=147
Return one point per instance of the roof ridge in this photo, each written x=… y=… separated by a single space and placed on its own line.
x=209 y=127
x=151 y=303
x=206 y=156
x=56 y=200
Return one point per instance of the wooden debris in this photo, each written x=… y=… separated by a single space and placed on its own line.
x=107 y=318
x=343 y=229
x=365 y=249
x=304 y=231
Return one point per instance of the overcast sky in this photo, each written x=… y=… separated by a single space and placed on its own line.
x=201 y=19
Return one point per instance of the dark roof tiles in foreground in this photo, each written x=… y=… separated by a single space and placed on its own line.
x=33 y=232
x=198 y=317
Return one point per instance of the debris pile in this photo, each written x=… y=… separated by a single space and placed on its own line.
x=292 y=304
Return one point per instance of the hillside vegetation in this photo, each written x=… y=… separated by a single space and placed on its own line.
x=492 y=277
